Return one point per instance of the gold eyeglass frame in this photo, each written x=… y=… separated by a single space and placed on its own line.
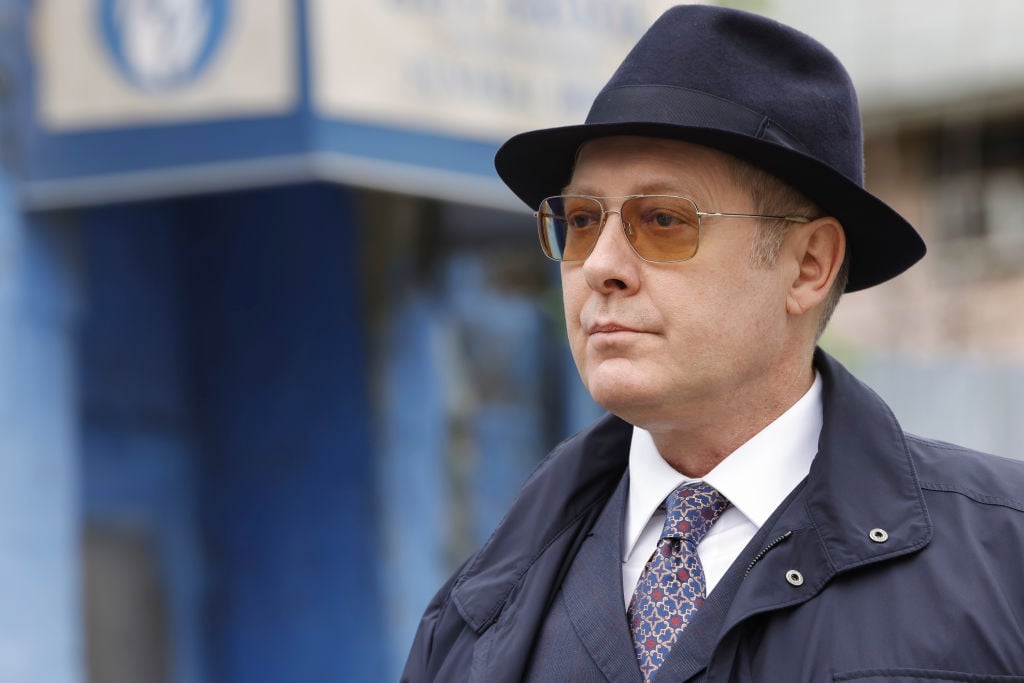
x=626 y=228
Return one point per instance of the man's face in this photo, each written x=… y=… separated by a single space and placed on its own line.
x=662 y=343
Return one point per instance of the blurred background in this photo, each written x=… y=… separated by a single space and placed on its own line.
x=277 y=348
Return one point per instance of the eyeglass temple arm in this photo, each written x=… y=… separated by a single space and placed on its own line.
x=792 y=219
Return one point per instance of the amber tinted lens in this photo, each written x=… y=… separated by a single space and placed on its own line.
x=662 y=228
x=569 y=226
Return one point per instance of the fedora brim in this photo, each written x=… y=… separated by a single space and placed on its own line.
x=880 y=243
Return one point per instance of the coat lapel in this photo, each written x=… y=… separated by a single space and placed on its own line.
x=593 y=594
x=505 y=592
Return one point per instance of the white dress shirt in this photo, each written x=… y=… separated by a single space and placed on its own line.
x=756 y=478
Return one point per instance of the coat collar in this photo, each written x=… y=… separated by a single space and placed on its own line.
x=860 y=504
x=863 y=478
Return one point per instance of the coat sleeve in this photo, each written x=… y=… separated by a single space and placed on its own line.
x=436 y=636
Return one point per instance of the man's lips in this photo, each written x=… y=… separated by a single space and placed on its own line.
x=609 y=328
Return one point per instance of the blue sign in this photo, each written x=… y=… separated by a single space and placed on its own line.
x=162 y=44
x=124 y=100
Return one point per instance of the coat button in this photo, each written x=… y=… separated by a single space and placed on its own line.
x=879 y=535
x=795 y=578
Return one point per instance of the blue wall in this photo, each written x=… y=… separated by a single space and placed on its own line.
x=40 y=638
x=280 y=381
x=140 y=454
x=227 y=415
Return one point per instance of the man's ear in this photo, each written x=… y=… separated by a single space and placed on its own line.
x=818 y=247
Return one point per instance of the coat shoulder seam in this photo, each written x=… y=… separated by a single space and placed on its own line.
x=976 y=496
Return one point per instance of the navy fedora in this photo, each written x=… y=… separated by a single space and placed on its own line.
x=748 y=86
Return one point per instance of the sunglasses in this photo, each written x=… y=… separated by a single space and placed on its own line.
x=659 y=228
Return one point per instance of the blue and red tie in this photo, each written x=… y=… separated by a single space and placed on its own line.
x=671 y=588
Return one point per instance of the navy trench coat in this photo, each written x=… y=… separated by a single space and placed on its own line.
x=911 y=555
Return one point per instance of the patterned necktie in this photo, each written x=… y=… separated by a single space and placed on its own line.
x=671 y=588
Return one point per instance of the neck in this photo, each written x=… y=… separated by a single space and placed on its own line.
x=697 y=444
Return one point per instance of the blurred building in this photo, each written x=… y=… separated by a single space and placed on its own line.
x=278 y=348
x=941 y=85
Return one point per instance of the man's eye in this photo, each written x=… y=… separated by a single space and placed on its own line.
x=664 y=219
x=581 y=220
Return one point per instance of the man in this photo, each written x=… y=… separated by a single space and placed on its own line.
x=749 y=511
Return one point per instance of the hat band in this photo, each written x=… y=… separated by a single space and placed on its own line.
x=676 y=106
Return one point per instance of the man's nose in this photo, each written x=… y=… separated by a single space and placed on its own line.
x=611 y=264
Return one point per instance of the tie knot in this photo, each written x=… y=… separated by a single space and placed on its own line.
x=690 y=511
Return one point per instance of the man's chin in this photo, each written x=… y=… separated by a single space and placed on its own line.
x=623 y=398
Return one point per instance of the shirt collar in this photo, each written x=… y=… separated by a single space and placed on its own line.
x=756 y=477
